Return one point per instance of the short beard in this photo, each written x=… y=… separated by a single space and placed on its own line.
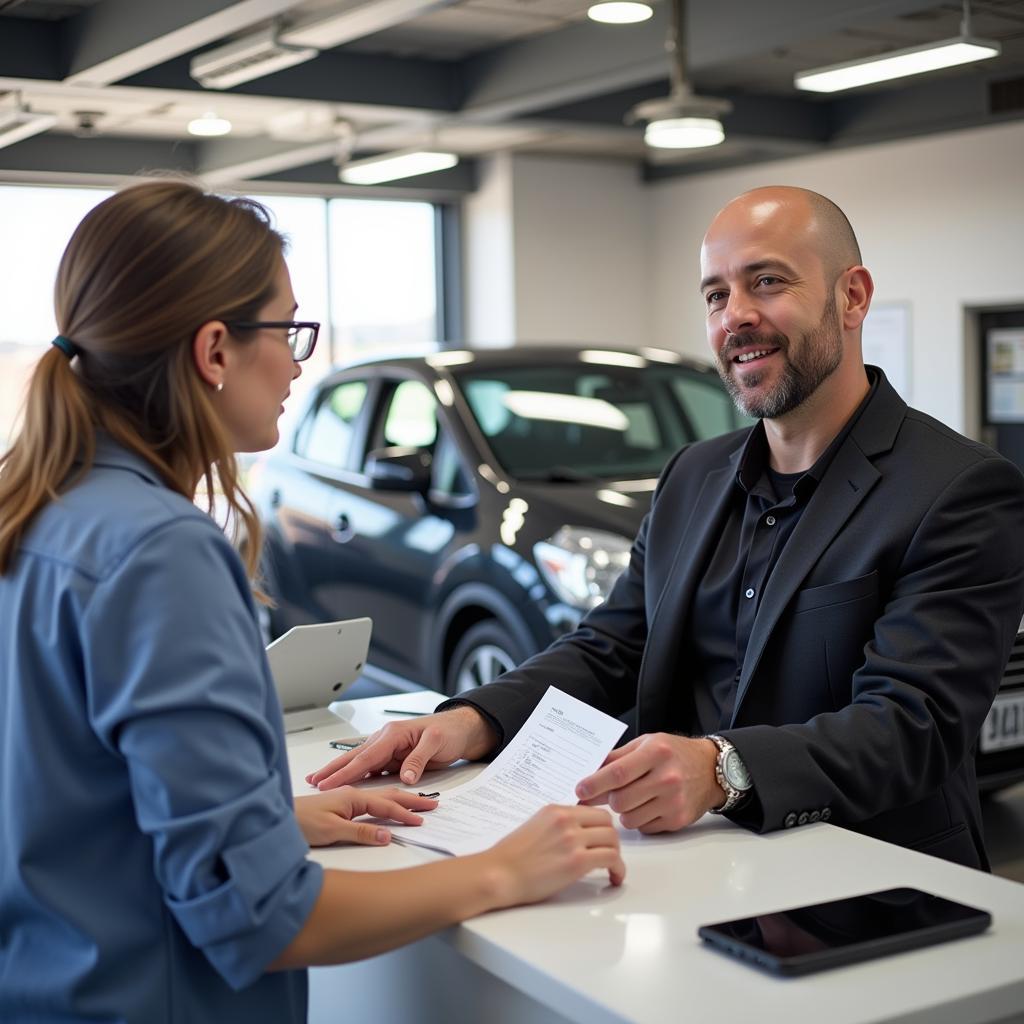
x=820 y=353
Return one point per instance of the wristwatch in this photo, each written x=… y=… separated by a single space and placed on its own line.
x=730 y=773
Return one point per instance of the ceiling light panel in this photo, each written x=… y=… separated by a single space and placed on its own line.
x=393 y=166
x=914 y=60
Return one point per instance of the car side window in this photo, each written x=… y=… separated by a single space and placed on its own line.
x=326 y=436
x=411 y=417
x=708 y=407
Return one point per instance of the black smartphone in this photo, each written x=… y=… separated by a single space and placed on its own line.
x=823 y=935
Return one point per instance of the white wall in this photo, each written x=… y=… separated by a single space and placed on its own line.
x=557 y=250
x=941 y=226
x=582 y=251
x=489 y=256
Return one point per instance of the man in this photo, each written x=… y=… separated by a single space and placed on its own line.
x=818 y=609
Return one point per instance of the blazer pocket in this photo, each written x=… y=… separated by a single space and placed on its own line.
x=836 y=593
x=954 y=844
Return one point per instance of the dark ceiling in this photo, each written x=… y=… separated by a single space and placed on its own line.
x=477 y=77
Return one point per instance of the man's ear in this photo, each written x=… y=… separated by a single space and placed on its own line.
x=856 y=288
x=209 y=352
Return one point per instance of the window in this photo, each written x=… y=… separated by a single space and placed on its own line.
x=562 y=421
x=709 y=408
x=326 y=436
x=383 y=277
x=37 y=223
x=411 y=420
x=365 y=268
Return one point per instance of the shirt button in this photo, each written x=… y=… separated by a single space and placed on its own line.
x=770 y=520
x=749 y=592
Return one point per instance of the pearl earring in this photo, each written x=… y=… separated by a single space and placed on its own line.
x=220 y=386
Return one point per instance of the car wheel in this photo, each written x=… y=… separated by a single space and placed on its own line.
x=481 y=655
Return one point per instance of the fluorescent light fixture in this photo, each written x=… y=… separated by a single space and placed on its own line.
x=209 y=125
x=253 y=56
x=391 y=166
x=620 y=13
x=897 y=64
x=17 y=122
x=684 y=133
x=545 y=405
x=607 y=358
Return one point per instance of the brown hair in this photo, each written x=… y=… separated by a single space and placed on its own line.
x=142 y=272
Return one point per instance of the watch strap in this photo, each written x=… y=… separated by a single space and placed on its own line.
x=733 y=796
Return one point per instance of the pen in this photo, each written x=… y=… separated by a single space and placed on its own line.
x=344 y=744
x=399 y=711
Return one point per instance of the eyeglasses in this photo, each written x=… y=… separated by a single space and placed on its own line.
x=302 y=334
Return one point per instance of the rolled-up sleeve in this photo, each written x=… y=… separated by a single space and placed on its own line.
x=178 y=686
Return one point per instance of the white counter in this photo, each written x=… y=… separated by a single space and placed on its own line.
x=597 y=954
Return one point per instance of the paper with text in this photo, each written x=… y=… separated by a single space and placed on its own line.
x=563 y=741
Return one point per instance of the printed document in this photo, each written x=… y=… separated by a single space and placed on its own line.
x=563 y=741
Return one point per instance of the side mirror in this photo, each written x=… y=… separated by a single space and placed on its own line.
x=399 y=469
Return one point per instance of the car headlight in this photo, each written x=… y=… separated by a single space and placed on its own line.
x=581 y=565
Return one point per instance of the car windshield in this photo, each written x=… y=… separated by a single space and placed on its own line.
x=574 y=421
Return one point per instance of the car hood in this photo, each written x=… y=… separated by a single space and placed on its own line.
x=615 y=505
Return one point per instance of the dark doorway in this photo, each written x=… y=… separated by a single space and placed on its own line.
x=1002 y=381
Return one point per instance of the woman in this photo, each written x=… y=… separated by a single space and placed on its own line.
x=151 y=865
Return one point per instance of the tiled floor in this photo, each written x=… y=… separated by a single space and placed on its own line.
x=1003 y=812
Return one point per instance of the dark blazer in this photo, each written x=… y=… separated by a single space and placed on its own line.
x=878 y=645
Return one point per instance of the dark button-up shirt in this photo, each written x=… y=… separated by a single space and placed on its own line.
x=764 y=511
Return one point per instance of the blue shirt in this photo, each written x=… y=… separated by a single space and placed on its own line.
x=150 y=862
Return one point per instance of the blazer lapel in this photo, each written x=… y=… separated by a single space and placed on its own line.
x=846 y=483
x=666 y=628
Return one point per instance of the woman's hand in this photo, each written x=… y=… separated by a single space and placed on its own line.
x=554 y=848
x=326 y=818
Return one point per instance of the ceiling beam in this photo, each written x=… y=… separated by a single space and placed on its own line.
x=117 y=38
x=228 y=160
x=110 y=157
x=408 y=85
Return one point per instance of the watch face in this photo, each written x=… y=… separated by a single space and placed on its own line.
x=735 y=771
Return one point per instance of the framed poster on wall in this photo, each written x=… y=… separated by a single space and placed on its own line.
x=1005 y=380
x=885 y=340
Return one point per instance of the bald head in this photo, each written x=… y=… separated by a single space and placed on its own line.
x=805 y=215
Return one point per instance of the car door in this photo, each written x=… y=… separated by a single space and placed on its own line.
x=302 y=491
x=398 y=540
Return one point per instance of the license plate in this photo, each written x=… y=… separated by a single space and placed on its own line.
x=1004 y=726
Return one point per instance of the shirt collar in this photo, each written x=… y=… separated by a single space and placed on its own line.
x=115 y=456
x=753 y=461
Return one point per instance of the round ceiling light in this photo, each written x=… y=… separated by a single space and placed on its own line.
x=684 y=133
x=620 y=13
x=209 y=125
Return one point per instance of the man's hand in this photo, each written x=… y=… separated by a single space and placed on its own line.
x=657 y=782
x=326 y=818
x=412 y=746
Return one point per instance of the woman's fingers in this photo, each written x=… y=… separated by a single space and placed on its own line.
x=361 y=833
